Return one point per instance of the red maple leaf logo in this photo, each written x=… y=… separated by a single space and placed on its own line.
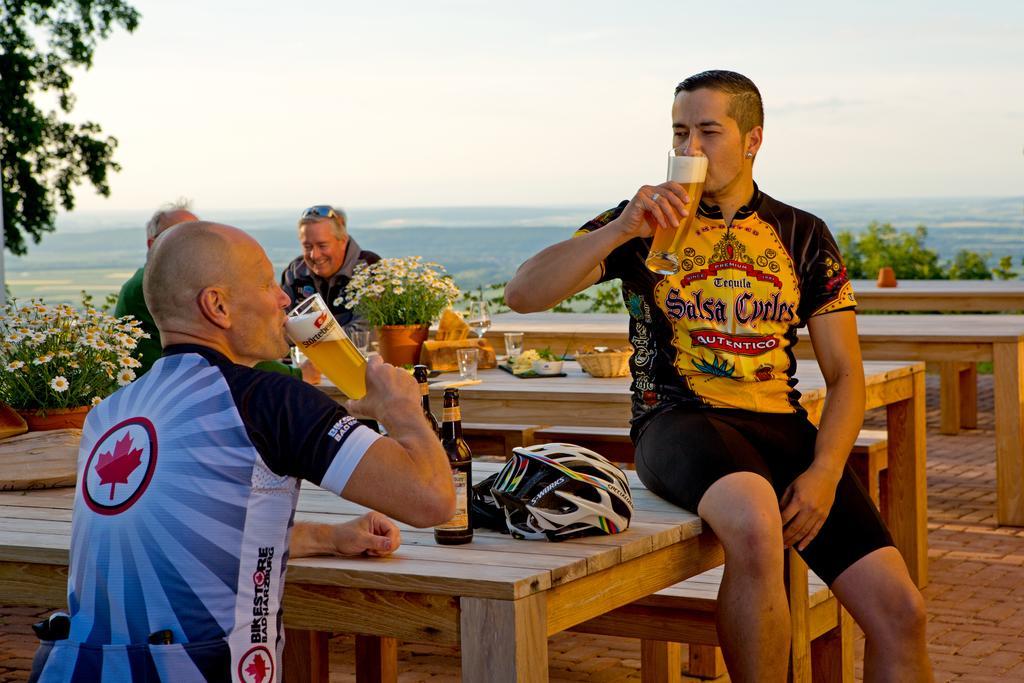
x=257 y=668
x=115 y=468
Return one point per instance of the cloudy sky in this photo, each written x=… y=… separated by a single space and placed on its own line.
x=254 y=104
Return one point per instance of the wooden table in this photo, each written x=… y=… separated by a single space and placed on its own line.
x=579 y=399
x=498 y=598
x=955 y=342
x=942 y=295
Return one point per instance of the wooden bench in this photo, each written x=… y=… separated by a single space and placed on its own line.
x=822 y=632
x=870 y=461
x=611 y=442
x=497 y=439
x=869 y=457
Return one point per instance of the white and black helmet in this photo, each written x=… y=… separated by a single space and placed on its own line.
x=560 y=490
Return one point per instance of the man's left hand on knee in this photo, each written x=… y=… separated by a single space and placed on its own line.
x=805 y=506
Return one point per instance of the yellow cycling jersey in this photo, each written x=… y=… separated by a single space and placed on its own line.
x=720 y=332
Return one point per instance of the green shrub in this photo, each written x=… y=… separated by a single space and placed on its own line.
x=883 y=245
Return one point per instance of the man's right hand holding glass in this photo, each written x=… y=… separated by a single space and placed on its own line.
x=570 y=266
x=653 y=206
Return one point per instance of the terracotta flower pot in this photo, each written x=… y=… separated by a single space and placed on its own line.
x=886 y=277
x=400 y=344
x=40 y=420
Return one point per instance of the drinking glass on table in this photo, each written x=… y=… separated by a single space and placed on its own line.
x=479 y=319
x=468 y=361
x=317 y=334
x=361 y=339
x=513 y=344
x=690 y=172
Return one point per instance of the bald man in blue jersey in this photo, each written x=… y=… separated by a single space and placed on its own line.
x=189 y=477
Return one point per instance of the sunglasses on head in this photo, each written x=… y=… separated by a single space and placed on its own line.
x=321 y=211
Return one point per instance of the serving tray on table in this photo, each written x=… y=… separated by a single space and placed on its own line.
x=529 y=374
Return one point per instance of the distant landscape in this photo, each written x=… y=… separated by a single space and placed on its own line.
x=97 y=251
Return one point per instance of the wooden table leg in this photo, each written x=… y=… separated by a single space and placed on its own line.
x=504 y=641
x=703 y=661
x=949 y=397
x=306 y=656
x=660 y=661
x=969 y=396
x=1008 y=368
x=832 y=653
x=799 y=613
x=907 y=485
x=376 y=659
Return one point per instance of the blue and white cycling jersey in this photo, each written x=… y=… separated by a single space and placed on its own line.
x=187 y=485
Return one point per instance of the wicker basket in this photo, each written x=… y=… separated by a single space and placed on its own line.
x=605 y=363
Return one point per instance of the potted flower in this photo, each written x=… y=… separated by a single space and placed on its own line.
x=57 y=361
x=400 y=297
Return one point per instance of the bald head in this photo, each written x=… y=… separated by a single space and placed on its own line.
x=188 y=258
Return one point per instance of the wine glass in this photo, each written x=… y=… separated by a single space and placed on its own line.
x=479 y=319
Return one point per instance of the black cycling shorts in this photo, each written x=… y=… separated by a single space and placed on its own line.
x=682 y=451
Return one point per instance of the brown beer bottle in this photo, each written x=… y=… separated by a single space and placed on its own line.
x=459 y=529
x=420 y=373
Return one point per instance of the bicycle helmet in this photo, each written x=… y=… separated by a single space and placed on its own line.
x=559 y=491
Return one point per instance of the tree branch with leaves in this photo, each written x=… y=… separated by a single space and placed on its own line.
x=43 y=157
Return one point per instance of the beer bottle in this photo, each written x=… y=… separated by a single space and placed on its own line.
x=459 y=529
x=420 y=373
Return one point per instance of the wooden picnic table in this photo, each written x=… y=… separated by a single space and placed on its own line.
x=956 y=343
x=498 y=598
x=941 y=295
x=579 y=399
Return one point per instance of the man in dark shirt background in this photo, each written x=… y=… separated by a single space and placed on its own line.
x=329 y=258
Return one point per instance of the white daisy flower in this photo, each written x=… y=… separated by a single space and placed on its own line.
x=15 y=365
x=59 y=383
x=95 y=401
x=125 y=377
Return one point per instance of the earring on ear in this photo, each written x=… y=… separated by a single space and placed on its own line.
x=750 y=155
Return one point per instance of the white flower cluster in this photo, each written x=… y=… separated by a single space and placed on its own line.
x=57 y=356
x=400 y=291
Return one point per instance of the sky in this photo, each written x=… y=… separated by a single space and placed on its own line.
x=253 y=104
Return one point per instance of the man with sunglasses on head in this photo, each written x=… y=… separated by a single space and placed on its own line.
x=329 y=258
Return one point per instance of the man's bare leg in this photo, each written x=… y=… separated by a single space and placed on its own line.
x=753 y=614
x=878 y=592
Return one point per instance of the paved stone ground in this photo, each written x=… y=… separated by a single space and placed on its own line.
x=975 y=598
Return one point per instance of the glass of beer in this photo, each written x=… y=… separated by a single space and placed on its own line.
x=312 y=327
x=690 y=172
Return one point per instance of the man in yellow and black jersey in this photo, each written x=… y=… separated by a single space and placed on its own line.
x=730 y=315
x=717 y=425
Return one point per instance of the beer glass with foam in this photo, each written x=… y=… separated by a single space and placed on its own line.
x=312 y=327
x=690 y=172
